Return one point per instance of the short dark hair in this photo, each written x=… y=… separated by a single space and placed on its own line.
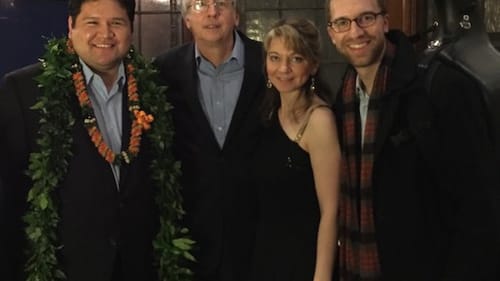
x=75 y=6
x=381 y=3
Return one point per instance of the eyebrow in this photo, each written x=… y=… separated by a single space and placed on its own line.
x=293 y=54
x=120 y=19
x=99 y=18
x=346 y=17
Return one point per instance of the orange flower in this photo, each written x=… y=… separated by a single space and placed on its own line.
x=135 y=142
x=80 y=85
x=102 y=148
x=77 y=76
x=92 y=130
x=143 y=119
x=136 y=129
x=134 y=148
x=83 y=98
x=96 y=137
x=133 y=91
x=110 y=156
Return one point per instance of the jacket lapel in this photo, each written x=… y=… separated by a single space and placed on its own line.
x=401 y=84
x=388 y=113
x=126 y=129
x=251 y=88
x=190 y=84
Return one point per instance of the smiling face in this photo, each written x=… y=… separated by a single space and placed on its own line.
x=214 y=25
x=363 y=47
x=101 y=35
x=287 y=70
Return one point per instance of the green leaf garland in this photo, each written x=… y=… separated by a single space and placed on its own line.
x=49 y=165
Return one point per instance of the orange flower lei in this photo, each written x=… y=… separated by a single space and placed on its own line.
x=49 y=164
x=141 y=121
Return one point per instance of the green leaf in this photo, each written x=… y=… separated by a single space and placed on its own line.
x=182 y=243
x=48 y=167
x=31 y=195
x=60 y=274
x=188 y=256
x=43 y=201
x=35 y=234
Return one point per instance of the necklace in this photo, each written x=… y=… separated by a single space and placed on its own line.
x=60 y=78
x=141 y=121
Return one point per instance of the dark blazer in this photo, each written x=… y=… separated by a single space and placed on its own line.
x=99 y=224
x=330 y=80
x=435 y=188
x=218 y=196
x=3 y=232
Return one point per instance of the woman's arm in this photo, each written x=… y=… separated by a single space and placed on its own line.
x=321 y=141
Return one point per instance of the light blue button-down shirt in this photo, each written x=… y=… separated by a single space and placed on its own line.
x=220 y=88
x=364 y=101
x=107 y=109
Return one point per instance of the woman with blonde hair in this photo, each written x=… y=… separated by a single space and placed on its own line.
x=297 y=162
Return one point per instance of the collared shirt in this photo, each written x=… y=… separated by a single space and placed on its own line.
x=364 y=100
x=107 y=108
x=220 y=87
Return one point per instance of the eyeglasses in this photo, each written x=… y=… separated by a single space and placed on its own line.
x=200 y=6
x=364 y=20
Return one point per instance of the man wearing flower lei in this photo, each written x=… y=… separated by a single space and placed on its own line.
x=89 y=181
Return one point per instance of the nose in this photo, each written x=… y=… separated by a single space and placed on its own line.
x=212 y=9
x=106 y=30
x=284 y=65
x=356 y=30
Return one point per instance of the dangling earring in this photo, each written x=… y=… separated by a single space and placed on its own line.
x=269 y=85
x=313 y=85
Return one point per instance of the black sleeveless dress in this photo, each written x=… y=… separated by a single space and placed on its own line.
x=288 y=209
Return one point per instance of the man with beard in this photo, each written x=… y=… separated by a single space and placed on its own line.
x=417 y=176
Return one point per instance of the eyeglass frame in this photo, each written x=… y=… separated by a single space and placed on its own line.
x=218 y=4
x=331 y=24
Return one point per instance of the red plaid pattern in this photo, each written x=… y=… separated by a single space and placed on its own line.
x=358 y=247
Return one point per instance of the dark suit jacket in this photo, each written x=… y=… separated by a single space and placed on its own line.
x=434 y=181
x=330 y=79
x=98 y=224
x=3 y=231
x=219 y=200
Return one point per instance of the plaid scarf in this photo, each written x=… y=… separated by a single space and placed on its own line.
x=358 y=254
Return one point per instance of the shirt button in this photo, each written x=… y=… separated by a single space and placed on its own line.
x=219 y=128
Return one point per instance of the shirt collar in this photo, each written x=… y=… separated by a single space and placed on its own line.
x=360 y=91
x=238 y=51
x=89 y=74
